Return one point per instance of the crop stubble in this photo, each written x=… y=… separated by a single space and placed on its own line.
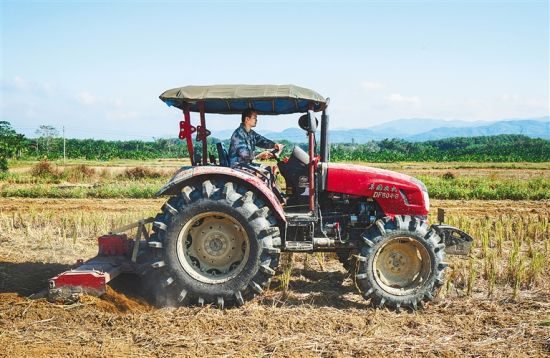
x=319 y=315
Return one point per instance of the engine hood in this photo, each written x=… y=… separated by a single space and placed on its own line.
x=397 y=193
x=363 y=171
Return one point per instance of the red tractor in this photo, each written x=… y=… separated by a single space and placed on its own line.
x=220 y=233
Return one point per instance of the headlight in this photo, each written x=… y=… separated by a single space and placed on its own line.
x=426 y=199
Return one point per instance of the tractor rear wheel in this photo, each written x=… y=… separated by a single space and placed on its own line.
x=401 y=263
x=214 y=243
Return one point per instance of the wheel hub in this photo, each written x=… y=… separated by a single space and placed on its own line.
x=213 y=247
x=396 y=261
x=401 y=265
x=215 y=244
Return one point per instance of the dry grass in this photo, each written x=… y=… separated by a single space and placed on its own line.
x=63 y=231
x=511 y=252
x=286 y=265
x=465 y=327
x=45 y=169
x=141 y=173
x=79 y=173
x=496 y=302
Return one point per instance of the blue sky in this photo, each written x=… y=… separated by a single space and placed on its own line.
x=97 y=68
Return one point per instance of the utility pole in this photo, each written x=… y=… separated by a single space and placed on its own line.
x=64 y=151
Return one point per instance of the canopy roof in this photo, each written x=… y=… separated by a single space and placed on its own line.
x=234 y=99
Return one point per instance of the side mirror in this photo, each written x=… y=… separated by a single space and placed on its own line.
x=312 y=121
x=308 y=122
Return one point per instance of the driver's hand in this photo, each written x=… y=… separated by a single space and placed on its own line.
x=264 y=155
x=279 y=146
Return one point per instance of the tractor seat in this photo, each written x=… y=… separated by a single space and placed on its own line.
x=300 y=155
x=222 y=154
x=295 y=172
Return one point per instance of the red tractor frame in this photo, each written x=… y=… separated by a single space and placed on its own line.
x=218 y=237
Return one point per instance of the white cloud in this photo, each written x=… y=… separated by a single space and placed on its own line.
x=86 y=98
x=48 y=88
x=539 y=103
x=371 y=86
x=121 y=115
x=509 y=97
x=400 y=99
x=21 y=84
x=534 y=103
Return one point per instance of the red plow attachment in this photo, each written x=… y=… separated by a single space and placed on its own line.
x=117 y=254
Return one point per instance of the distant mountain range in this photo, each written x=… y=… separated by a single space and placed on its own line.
x=404 y=128
x=419 y=129
x=530 y=127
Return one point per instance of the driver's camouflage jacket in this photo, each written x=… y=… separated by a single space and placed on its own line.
x=243 y=144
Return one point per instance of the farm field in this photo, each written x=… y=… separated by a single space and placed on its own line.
x=319 y=314
x=494 y=303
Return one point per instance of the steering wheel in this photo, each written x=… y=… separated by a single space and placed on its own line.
x=275 y=153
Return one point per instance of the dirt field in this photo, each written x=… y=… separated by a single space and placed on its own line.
x=319 y=315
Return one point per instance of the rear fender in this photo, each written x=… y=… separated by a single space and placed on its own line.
x=201 y=173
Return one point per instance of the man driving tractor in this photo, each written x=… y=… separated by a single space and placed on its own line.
x=244 y=141
x=220 y=233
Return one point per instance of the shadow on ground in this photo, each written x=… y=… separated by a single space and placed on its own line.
x=27 y=278
x=310 y=287
x=317 y=289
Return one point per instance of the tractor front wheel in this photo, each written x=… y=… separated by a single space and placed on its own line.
x=401 y=263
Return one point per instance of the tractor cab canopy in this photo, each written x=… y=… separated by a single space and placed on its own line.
x=234 y=99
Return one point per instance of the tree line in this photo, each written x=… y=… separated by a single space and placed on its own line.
x=499 y=148
x=48 y=145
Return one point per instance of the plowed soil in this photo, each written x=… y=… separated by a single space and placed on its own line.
x=319 y=315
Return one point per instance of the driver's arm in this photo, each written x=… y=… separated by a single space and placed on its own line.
x=263 y=142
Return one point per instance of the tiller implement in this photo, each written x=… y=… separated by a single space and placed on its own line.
x=117 y=254
x=218 y=237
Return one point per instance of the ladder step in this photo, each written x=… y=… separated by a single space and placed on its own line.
x=300 y=217
x=299 y=246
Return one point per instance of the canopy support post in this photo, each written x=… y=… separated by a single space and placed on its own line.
x=312 y=164
x=325 y=145
x=186 y=130
x=202 y=133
